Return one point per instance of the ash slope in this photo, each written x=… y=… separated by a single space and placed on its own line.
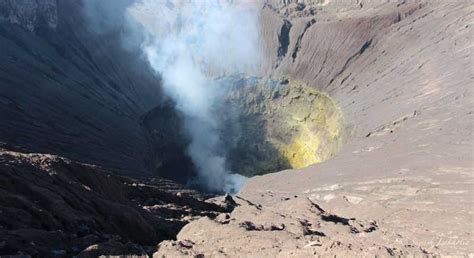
x=69 y=88
x=74 y=93
x=402 y=73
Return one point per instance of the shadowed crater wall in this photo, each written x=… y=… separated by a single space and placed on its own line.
x=70 y=90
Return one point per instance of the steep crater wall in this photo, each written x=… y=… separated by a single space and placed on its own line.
x=283 y=124
x=267 y=125
x=69 y=90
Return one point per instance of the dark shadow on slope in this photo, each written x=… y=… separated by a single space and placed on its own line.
x=165 y=129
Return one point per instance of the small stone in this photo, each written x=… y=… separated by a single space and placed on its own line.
x=186 y=243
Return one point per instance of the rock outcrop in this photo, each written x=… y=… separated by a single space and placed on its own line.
x=292 y=227
x=52 y=206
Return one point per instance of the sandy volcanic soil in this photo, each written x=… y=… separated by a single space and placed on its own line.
x=403 y=182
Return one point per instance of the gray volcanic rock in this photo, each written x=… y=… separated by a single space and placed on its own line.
x=402 y=74
x=71 y=89
x=29 y=14
x=61 y=207
x=295 y=227
x=401 y=184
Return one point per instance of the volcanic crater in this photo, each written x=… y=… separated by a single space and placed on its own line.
x=355 y=133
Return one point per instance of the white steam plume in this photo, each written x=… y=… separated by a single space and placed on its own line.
x=190 y=42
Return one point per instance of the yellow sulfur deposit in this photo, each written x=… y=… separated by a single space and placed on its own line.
x=301 y=151
x=287 y=125
x=317 y=137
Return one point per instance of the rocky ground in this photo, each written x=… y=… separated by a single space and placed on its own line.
x=402 y=74
x=293 y=226
x=401 y=183
x=52 y=206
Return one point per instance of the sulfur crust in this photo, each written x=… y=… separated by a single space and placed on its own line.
x=318 y=136
x=291 y=125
